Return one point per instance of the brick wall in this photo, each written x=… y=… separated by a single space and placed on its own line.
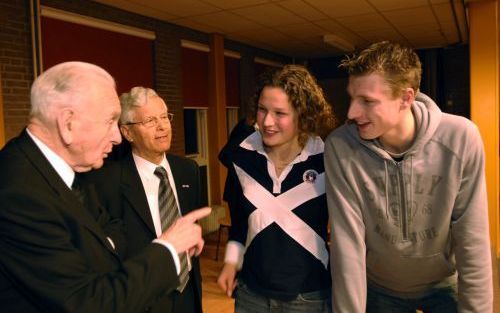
x=17 y=69
x=16 y=64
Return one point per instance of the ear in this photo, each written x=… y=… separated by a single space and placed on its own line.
x=408 y=97
x=126 y=133
x=65 y=125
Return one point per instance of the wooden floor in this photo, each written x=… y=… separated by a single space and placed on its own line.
x=214 y=301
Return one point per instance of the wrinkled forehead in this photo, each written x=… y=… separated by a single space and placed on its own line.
x=100 y=98
x=154 y=105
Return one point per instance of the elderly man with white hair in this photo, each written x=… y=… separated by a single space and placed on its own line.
x=148 y=188
x=56 y=251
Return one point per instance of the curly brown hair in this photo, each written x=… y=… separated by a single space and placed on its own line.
x=399 y=65
x=315 y=114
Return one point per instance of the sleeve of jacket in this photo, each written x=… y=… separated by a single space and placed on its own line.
x=348 y=250
x=42 y=254
x=233 y=195
x=470 y=235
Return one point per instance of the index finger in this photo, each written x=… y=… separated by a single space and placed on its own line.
x=197 y=214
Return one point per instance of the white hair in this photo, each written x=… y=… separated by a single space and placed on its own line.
x=64 y=85
x=136 y=97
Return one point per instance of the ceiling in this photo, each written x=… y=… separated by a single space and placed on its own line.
x=297 y=27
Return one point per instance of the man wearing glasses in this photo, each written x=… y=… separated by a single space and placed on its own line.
x=149 y=189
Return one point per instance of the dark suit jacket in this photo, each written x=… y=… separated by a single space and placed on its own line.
x=54 y=254
x=122 y=193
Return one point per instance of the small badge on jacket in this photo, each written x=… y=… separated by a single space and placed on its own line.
x=310 y=176
x=185 y=186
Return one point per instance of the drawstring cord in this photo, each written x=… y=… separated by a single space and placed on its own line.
x=407 y=189
x=410 y=186
x=386 y=190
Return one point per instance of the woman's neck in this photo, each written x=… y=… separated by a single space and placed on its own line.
x=281 y=156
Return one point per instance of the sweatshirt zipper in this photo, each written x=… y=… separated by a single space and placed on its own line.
x=404 y=209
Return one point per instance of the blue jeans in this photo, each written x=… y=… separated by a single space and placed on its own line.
x=442 y=300
x=248 y=301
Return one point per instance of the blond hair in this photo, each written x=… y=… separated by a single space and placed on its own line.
x=399 y=65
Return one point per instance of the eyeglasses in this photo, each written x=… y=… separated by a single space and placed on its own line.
x=154 y=121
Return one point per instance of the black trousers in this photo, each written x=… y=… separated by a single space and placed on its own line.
x=184 y=302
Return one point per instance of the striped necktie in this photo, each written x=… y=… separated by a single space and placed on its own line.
x=168 y=214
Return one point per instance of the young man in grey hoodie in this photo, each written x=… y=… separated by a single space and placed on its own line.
x=406 y=196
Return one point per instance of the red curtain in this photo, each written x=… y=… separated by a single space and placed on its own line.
x=194 y=77
x=128 y=58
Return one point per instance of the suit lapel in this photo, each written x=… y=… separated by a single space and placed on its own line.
x=55 y=182
x=178 y=173
x=133 y=190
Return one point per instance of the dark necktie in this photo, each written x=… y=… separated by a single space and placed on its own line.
x=78 y=189
x=168 y=214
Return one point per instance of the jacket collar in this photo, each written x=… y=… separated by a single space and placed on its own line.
x=56 y=183
x=133 y=190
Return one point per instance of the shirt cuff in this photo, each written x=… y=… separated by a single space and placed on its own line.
x=175 y=256
x=234 y=253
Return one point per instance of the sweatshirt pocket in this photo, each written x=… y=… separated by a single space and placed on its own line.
x=407 y=273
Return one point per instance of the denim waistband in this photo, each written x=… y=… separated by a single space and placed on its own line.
x=323 y=293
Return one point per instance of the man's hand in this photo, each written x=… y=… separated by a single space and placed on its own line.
x=184 y=234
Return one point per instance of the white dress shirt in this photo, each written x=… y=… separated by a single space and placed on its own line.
x=151 y=184
x=60 y=166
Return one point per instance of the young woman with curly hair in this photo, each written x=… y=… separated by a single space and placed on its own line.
x=275 y=190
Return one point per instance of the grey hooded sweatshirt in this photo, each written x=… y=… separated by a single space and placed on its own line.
x=410 y=226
